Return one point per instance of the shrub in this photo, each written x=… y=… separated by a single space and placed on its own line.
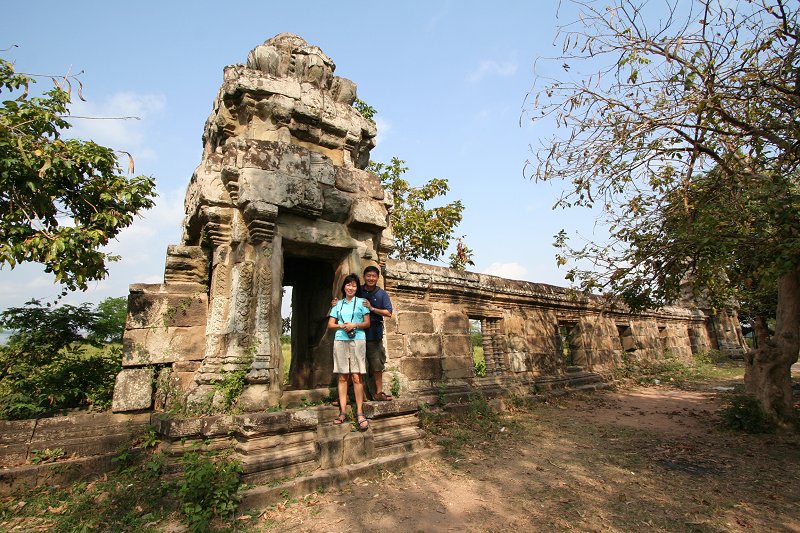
x=208 y=488
x=744 y=413
x=480 y=368
x=79 y=376
x=231 y=387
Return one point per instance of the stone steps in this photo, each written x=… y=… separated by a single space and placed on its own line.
x=263 y=496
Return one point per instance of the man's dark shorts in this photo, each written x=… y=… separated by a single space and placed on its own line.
x=376 y=356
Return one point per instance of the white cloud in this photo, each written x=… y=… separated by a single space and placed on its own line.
x=507 y=270
x=491 y=68
x=384 y=128
x=106 y=126
x=143 y=244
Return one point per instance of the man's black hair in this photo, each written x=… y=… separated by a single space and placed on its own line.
x=372 y=268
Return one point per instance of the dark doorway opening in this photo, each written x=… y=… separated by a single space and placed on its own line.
x=567 y=341
x=311 y=348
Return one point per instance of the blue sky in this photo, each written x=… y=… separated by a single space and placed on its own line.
x=448 y=79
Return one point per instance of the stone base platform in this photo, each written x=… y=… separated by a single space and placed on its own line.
x=293 y=450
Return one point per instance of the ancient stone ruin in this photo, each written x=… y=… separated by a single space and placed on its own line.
x=281 y=198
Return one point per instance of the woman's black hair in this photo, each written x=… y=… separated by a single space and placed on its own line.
x=348 y=279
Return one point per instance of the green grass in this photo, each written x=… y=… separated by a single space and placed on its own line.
x=286 y=350
x=704 y=368
x=479 y=361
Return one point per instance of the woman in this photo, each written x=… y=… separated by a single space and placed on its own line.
x=349 y=318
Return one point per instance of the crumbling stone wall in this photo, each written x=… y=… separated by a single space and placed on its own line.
x=428 y=341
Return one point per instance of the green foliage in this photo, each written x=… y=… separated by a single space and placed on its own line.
x=61 y=200
x=441 y=394
x=395 y=389
x=365 y=110
x=231 y=387
x=109 y=325
x=475 y=425
x=208 y=488
x=669 y=370
x=420 y=231
x=47 y=455
x=49 y=364
x=689 y=148
x=479 y=366
x=476 y=339
x=478 y=357
x=744 y=413
x=150 y=438
x=481 y=414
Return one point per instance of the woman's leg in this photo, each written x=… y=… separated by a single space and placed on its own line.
x=358 y=391
x=341 y=387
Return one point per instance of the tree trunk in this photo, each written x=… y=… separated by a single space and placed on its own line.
x=768 y=368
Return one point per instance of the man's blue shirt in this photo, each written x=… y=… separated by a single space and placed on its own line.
x=379 y=299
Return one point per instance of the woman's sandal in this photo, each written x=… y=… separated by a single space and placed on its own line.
x=383 y=397
x=339 y=420
x=363 y=423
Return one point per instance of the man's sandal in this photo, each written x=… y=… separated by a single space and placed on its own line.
x=339 y=420
x=363 y=423
x=383 y=397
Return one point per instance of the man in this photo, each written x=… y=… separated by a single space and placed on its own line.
x=380 y=307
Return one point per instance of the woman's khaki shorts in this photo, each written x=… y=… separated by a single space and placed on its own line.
x=350 y=357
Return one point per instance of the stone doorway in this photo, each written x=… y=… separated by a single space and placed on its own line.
x=311 y=348
x=567 y=335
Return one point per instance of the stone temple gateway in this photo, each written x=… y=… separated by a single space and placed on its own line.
x=281 y=198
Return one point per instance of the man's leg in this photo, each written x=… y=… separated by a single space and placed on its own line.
x=378 y=361
x=370 y=390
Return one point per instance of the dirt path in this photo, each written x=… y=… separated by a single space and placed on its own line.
x=636 y=459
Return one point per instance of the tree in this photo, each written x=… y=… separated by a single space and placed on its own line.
x=61 y=200
x=109 y=324
x=421 y=232
x=686 y=136
x=53 y=360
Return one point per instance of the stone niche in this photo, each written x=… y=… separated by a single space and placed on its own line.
x=280 y=198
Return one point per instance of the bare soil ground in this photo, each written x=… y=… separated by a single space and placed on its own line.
x=632 y=459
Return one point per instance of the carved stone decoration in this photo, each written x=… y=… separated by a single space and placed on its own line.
x=260 y=217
